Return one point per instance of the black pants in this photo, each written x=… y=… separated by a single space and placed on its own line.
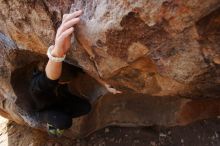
x=70 y=104
x=54 y=102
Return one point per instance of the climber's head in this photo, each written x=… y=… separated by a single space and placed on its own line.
x=57 y=122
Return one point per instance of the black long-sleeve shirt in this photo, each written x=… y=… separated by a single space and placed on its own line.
x=48 y=94
x=43 y=90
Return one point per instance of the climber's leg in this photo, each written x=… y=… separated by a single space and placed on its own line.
x=73 y=105
x=56 y=120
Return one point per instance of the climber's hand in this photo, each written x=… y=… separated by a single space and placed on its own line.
x=64 y=32
x=111 y=89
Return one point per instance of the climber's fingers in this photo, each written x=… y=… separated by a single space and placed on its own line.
x=68 y=25
x=112 y=90
x=68 y=21
x=65 y=34
x=68 y=17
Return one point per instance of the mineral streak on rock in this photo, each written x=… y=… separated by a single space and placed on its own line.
x=163 y=55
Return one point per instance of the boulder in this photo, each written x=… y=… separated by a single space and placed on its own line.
x=163 y=55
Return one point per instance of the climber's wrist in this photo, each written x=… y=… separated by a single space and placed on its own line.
x=56 y=53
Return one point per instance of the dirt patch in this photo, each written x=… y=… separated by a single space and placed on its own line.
x=203 y=133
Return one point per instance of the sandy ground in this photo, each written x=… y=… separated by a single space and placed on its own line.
x=202 y=133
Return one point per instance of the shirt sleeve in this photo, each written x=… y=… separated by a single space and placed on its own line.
x=41 y=84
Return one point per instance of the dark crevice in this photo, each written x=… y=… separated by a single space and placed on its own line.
x=80 y=83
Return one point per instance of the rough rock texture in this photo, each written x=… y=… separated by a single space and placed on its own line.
x=163 y=55
x=201 y=133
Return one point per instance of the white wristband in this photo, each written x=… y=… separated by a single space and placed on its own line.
x=52 y=58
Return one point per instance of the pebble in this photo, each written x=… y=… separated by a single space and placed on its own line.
x=112 y=139
x=102 y=144
x=138 y=131
x=213 y=137
x=120 y=139
x=216 y=135
x=153 y=143
x=77 y=142
x=136 y=141
x=182 y=141
x=162 y=135
x=107 y=130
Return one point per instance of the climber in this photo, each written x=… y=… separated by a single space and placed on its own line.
x=54 y=103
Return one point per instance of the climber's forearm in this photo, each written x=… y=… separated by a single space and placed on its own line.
x=54 y=69
x=62 y=43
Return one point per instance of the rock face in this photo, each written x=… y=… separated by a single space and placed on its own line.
x=163 y=55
